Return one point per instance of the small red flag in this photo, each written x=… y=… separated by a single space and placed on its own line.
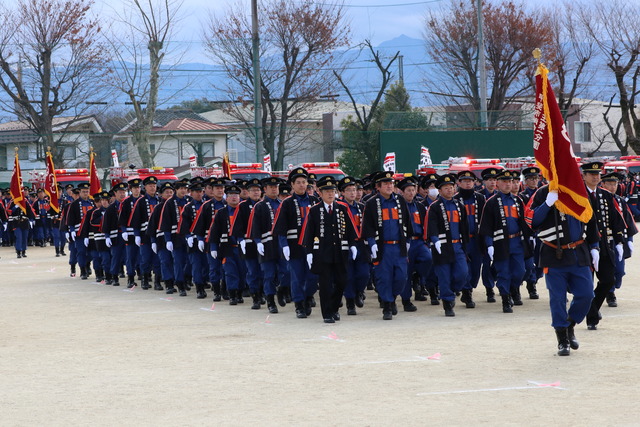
x=226 y=166
x=554 y=154
x=51 y=184
x=94 y=181
x=16 y=186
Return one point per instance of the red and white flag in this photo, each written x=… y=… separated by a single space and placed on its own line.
x=15 y=187
x=51 y=184
x=267 y=162
x=389 y=163
x=94 y=180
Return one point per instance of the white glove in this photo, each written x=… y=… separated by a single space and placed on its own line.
x=169 y=246
x=595 y=258
x=125 y=236
x=190 y=241
x=4 y=226
x=354 y=252
x=552 y=197
x=86 y=242
x=620 y=250
x=630 y=245
x=154 y=248
x=491 y=250
x=201 y=245
x=408 y=246
x=31 y=223
x=138 y=240
x=309 y=260
x=66 y=236
x=260 y=248
x=73 y=236
x=214 y=254
x=107 y=241
x=374 y=251
x=438 y=246
x=286 y=251
x=243 y=246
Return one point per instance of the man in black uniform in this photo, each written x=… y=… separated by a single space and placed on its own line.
x=611 y=227
x=328 y=237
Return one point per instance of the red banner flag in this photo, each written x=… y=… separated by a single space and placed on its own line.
x=51 y=184
x=15 y=188
x=226 y=166
x=94 y=181
x=554 y=154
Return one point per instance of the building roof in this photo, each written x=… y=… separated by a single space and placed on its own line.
x=23 y=125
x=188 y=124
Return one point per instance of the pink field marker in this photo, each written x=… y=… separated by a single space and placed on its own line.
x=435 y=356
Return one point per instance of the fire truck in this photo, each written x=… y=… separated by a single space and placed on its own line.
x=457 y=164
x=63 y=177
x=628 y=163
x=118 y=174
x=238 y=171
x=322 y=169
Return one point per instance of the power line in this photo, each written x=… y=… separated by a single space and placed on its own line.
x=381 y=5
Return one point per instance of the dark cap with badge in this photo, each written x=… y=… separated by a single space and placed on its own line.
x=180 y=184
x=120 y=186
x=253 y=182
x=531 y=172
x=233 y=189
x=327 y=183
x=297 y=173
x=505 y=175
x=96 y=196
x=445 y=179
x=383 y=176
x=84 y=186
x=272 y=180
x=105 y=195
x=135 y=182
x=466 y=175
x=427 y=180
x=165 y=186
x=593 y=167
x=611 y=177
x=284 y=189
x=409 y=181
x=490 y=173
x=150 y=180
x=347 y=181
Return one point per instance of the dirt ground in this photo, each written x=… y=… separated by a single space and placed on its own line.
x=78 y=353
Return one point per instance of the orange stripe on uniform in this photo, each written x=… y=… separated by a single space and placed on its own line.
x=389 y=213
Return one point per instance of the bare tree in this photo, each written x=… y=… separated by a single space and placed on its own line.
x=50 y=64
x=296 y=53
x=614 y=27
x=511 y=33
x=571 y=54
x=140 y=50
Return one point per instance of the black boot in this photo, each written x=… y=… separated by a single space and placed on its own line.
x=216 y=292
x=433 y=296
x=200 y=293
x=24 y=254
x=168 y=284
x=408 y=305
x=157 y=286
x=145 y=281
x=386 y=311
x=99 y=276
x=308 y=304
x=612 y=301
x=301 y=312
x=351 y=307
x=571 y=335
x=359 y=300
x=271 y=304
x=232 y=298
x=533 y=292
x=87 y=269
x=394 y=308
x=281 y=294
x=131 y=281
x=62 y=251
x=83 y=273
x=448 y=308
x=563 y=342
x=107 y=279
x=187 y=284
x=239 y=296
x=73 y=270
x=515 y=296
x=181 y=289
x=506 y=304
x=419 y=295
x=115 y=280
x=256 y=302
x=57 y=252
x=491 y=296
x=223 y=290
x=467 y=298
x=19 y=254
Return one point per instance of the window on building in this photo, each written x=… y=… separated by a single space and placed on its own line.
x=120 y=145
x=205 y=148
x=582 y=132
x=152 y=149
x=68 y=152
x=23 y=152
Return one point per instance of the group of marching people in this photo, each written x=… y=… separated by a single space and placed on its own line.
x=434 y=237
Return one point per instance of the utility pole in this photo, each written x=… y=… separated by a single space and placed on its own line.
x=401 y=69
x=482 y=68
x=257 y=97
